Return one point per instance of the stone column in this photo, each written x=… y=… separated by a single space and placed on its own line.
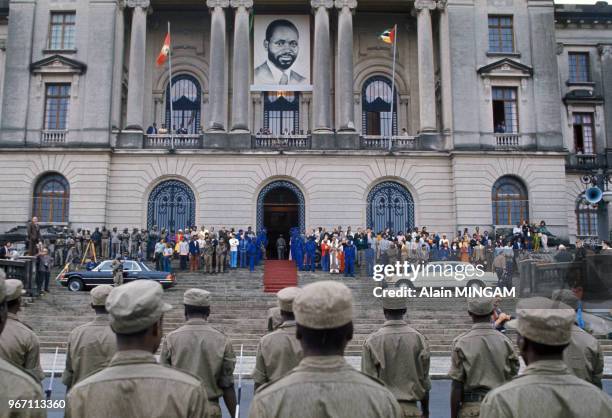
x=118 y=65
x=344 y=84
x=427 y=89
x=606 y=72
x=322 y=110
x=241 y=67
x=217 y=73
x=138 y=48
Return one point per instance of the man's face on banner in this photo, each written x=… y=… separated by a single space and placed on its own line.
x=283 y=47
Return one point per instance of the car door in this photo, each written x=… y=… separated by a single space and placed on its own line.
x=103 y=274
x=131 y=271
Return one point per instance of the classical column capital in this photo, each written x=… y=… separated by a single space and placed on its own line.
x=441 y=4
x=421 y=5
x=121 y=4
x=605 y=51
x=138 y=3
x=217 y=3
x=241 y=3
x=340 y=4
x=328 y=4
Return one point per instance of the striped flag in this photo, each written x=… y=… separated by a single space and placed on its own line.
x=388 y=36
x=165 y=51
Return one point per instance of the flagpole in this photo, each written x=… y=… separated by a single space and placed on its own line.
x=393 y=85
x=170 y=88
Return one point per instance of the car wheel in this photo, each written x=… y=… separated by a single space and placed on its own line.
x=75 y=284
x=404 y=284
x=475 y=284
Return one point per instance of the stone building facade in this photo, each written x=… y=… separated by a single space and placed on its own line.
x=499 y=108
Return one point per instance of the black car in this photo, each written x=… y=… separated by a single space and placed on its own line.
x=103 y=274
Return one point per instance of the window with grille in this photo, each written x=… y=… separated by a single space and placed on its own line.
x=584 y=140
x=501 y=34
x=57 y=101
x=376 y=98
x=186 y=105
x=282 y=113
x=61 y=30
x=510 y=203
x=51 y=199
x=505 y=110
x=586 y=220
x=579 y=67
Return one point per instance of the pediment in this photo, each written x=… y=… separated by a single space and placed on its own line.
x=58 y=64
x=505 y=67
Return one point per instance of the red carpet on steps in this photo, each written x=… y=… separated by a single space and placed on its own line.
x=279 y=274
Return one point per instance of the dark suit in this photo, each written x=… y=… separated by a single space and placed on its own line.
x=33 y=238
x=263 y=75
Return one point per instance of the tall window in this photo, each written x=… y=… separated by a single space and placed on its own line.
x=51 y=199
x=186 y=104
x=586 y=219
x=61 y=30
x=579 y=67
x=510 y=203
x=501 y=34
x=282 y=112
x=57 y=100
x=377 y=117
x=583 y=133
x=505 y=110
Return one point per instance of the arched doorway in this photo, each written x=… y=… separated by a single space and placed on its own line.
x=390 y=205
x=171 y=206
x=280 y=207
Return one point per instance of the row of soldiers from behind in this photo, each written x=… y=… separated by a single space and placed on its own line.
x=300 y=369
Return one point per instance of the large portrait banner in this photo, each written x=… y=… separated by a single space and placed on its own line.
x=281 y=53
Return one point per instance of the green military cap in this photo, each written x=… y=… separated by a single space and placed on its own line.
x=566 y=296
x=99 y=294
x=286 y=297
x=324 y=305
x=397 y=302
x=544 y=321
x=135 y=306
x=14 y=289
x=196 y=297
x=480 y=306
x=2 y=286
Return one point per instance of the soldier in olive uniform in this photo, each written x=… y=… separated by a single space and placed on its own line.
x=90 y=346
x=221 y=256
x=117 y=267
x=481 y=359
x=279 y=351
x=18 y=343
x=16 y=384
x=583 y=356
x=58 y=250
x=546 y=388
x=105 y=243
x=324 y=384
x=134 y=384
x=399 y=355
x=207 y=254
x=198 y=348
x=125 y=241
x=134 y=243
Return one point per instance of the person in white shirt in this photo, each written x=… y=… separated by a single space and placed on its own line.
x=184 y=253
x=233 y=243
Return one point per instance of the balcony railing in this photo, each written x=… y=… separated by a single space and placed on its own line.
x=377 y=142
x=281 y=142
x=53 y=136
x=507 y=141
x=178 y=141
x=585 y=161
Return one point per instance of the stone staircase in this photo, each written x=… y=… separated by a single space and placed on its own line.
x=239 y=310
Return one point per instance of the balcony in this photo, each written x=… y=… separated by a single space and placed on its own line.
x=177 y=141
x=507 y=141
x=394 y=143
x=53 y=137
x=581 y=162
x=283 y=142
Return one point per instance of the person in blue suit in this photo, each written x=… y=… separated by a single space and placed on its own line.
x=242 y=249
x=252 y=253
x=350 y=251
x=311 y=250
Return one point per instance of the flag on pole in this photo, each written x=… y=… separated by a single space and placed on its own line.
x=165 y=51
x=388 y=36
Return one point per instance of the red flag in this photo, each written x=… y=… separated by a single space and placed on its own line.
x=163 y=54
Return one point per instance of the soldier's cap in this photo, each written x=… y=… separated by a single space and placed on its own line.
x=99 y=294
x=389 y=302
x=135 y=306
x=480 y=306
x=544 y=321
x=286 y=297
x=196 y=297
x=566 y=296
x=14 y=289
x=324 y=305
x=2 y=286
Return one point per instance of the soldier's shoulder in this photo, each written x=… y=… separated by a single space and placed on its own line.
x=169 y=372
x=20 y=379
x=20 y=324
x=460 y=337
